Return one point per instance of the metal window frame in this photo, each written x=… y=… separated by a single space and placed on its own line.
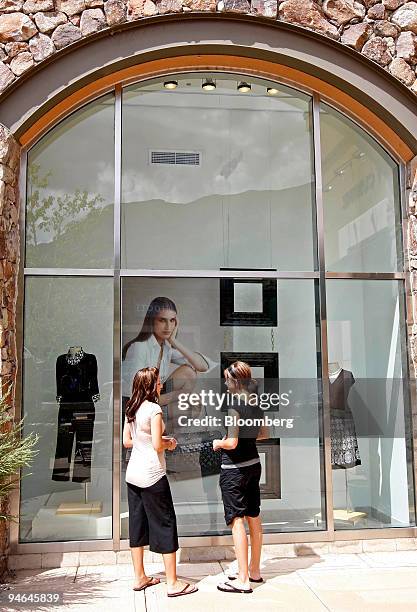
x=326 y=535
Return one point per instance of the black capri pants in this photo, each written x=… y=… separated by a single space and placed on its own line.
x=152 y=517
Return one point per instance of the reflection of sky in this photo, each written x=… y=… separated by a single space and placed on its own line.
x=241 y=150
x=246 y=144
x=359 y=202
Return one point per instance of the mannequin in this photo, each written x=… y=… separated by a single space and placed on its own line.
x=77 y=392
x=344 y=444
x=345 y=451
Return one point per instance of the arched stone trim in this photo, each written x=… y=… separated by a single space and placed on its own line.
x=248 y=66
x=33 y=30
x=197 y=35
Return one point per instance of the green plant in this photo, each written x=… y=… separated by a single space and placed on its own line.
x=16 y=451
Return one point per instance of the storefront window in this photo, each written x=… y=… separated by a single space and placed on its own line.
x=213 y=322
x=218 y=223
x=362 y=221
x=67 y=391
x=70 y=192
x=369 y=407
x=217 y=179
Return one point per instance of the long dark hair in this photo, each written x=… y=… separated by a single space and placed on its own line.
x=144 y=388
x=154 y=308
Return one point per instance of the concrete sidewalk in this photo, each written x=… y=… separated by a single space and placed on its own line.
x=338 y=582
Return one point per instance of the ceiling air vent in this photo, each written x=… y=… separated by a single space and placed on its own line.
x=175 y=158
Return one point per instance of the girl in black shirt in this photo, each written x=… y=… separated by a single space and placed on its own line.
x=240 y=475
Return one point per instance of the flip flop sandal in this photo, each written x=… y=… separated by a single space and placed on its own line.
x=257 y=580
x=226 y=587
x=151 y=582
x=184 y=591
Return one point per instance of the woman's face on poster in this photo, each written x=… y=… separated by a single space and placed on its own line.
x=164 y=324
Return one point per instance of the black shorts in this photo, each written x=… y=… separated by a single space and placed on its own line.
x=240 y=491
x=152 y=517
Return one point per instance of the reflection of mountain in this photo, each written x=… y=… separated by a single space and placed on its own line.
x=213 y=230
x=87 y=243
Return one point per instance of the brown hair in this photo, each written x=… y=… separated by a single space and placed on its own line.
x=144 y=387
x=154 y=308
x=241 y=373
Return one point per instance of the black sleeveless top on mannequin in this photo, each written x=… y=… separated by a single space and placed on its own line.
x=344 y=443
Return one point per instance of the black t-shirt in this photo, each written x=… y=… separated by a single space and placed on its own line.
x=248 y=431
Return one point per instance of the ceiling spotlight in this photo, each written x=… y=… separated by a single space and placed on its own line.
x=209 y=85
x=272 y=91
x=171 y=84
x=243 y=87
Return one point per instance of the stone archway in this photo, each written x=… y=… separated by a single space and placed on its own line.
x=77 y=64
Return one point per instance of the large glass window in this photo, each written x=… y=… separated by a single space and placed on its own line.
x=217 y=179
x=284 y=357
x=67 y=391
x=70 y=192
x=369 y=407
x=218 y=220
x=362 y=221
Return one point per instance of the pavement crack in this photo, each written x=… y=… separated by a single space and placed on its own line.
x=76 y=573
x=314 y=593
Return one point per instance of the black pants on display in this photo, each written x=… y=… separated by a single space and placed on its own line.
x=75 y=422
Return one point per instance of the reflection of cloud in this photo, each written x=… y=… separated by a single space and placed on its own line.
x=105 y=181
x=242 y=150
x=228 y=167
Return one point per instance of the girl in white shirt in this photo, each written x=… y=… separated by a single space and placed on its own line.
x=152 y=519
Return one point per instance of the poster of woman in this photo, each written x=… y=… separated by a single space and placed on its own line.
x=157 y=345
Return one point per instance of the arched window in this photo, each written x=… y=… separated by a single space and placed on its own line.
x=268 y=225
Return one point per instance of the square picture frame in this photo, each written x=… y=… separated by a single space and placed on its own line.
x=268 y=361
x=265 y=315
x=270 y=456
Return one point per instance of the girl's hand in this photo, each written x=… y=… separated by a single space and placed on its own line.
x=217 y=445
x=172 y=444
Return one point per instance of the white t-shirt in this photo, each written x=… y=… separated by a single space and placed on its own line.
x=145 y=466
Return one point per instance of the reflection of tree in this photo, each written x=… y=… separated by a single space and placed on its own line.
x=62 y=312
x=54 y=213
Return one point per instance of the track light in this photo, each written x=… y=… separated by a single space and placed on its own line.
x=243 y=87
x=209 y=85
x=171 y=84
x=272 y=91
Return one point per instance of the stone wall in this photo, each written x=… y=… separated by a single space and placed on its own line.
x=9 y=263
x=412 y=259
x=384 y=31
